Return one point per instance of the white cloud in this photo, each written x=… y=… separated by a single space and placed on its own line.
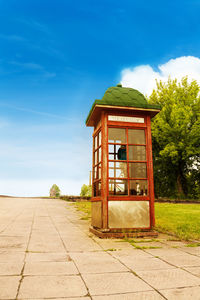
x=143 y=77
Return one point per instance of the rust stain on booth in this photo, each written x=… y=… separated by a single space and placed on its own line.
x=122 y=180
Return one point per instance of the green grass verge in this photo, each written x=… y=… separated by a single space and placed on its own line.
x=84 y=207
x=183 y=220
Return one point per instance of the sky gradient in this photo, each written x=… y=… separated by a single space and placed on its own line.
x=57 y=57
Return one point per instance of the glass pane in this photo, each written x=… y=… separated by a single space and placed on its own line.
x=116 y=135
x=117 y=152
x=111 y=157
x=118 y=169
x=138 y=187
x=121 y=153
x=95 y=157
x=100 y=138
x=137 y=153
x=95 y=142
x=99 y=166
x=111 y=148
x=137 y=170
x=97 y=188
x=136 y=136
x=118 y=187
x=99 y=154
x=97 y=172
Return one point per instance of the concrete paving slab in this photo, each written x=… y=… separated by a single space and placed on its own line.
x=97 y=262
x=12 y=243
x=9 y=286
x=52 y=287
x=144 y=264
x=11 y=256
x=129 y=254
x=182 y=260
x=193 y=270
x=166 y=279
x=81 y=245
x=112 y=283
x=190 y=293
x=11 y=268
x=45 y=245
x=46 y=256
x=175 y=243
x=151 y=295
x=79 y=298
x=164 y=252
x=50 y=268
x=113 y=244
x=150 y=245
x=192 y=250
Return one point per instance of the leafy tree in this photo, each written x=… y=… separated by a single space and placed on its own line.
x=54 y=191
x=86 y=190
x=176 y=138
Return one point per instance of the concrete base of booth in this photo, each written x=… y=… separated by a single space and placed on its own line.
x=108 y=233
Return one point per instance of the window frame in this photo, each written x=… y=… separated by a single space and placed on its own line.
x=128 y=162
x=97 y=164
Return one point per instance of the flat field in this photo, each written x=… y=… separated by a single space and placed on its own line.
x=183 y=220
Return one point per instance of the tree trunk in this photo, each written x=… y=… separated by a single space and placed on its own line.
x=180 y=186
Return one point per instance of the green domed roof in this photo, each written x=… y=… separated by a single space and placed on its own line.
x=123 y=97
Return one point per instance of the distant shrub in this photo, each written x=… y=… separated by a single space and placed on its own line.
x=86 y=190
x=54 y=191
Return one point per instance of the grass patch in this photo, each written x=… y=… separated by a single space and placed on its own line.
x=193 y=245
x=145 y=247
x=111 y=249
x=142 y=247
x=134 y=242
x=183 y=220
x=84 y=207
x=85 y=218
x=143 y=240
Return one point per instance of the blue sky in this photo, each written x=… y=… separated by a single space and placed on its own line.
x=57 y=57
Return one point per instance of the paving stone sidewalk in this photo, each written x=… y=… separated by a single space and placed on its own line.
x=46 y=252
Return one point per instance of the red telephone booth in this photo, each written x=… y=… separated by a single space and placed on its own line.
x=122 y=185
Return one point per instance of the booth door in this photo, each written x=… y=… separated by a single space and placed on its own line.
x=128 y=199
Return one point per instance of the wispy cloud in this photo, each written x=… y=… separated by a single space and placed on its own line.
x=32 y=66
x=49 y=75
x=36 y=25
x=32 y=111
x=15 y=38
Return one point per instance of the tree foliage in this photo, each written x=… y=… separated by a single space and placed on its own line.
x=176 y=138
x=54 y=191
x=86 y=191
